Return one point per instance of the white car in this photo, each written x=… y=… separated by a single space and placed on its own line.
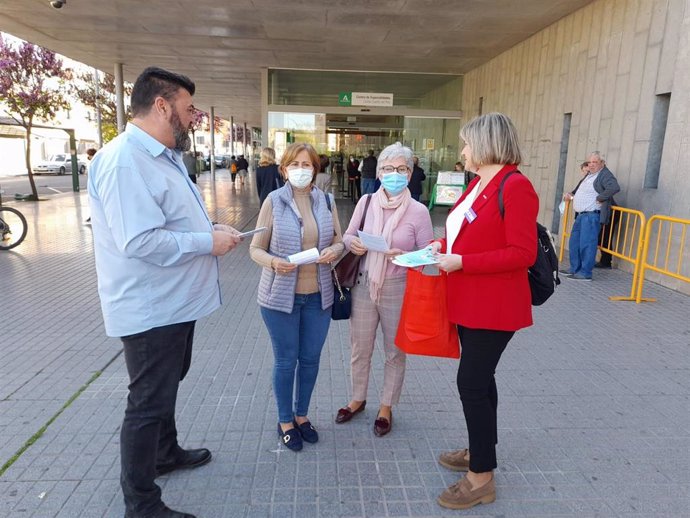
x=59 y=164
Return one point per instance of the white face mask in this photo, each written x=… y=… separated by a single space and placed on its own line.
x=300 y=178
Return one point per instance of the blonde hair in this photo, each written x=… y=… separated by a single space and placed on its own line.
x=295 y=149
x=268 y=156
x=493 y=139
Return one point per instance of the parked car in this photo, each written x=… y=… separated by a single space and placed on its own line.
x=221 y=161
x=59 y=164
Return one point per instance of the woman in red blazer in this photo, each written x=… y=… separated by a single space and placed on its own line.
x=486 y=256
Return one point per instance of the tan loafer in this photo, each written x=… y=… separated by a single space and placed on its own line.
x=461 y=495
x=455 y=460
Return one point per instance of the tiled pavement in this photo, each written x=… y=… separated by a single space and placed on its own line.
x=594 y=411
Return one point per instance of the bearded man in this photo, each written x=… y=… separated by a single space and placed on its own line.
x=156 y=259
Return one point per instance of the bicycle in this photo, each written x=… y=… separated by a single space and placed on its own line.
x=13 y=227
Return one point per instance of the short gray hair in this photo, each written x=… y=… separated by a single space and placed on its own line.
x=598 y=155
x=493 y=139
x=395 y=151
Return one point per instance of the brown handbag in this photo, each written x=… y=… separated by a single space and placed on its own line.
x=348 y=267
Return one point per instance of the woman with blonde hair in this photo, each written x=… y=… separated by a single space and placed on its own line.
x=296 y=300
x=268 y=178
x=487 y=251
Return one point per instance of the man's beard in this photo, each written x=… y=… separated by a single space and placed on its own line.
x=182 y=139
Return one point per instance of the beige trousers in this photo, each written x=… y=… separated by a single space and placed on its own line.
x=364 y=320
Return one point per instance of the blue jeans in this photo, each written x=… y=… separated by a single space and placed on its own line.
x=583 y=243
x=157 y=360
x=368 y=185
x=297 y=339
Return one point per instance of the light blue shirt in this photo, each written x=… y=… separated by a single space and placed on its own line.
x=152 y=237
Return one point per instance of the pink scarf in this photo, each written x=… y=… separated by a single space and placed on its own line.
x=376 y=261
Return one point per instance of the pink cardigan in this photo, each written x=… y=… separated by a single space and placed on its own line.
x=412 y=233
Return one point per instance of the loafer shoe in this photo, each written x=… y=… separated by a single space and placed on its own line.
x=187 y=459
x=345 y=413
x=455 y=460
x=603 y=266
x=307 y=431
x=461 y=495
x=291 y=439
x=382 y=426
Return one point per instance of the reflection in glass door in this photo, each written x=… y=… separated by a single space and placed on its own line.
x=436 y=142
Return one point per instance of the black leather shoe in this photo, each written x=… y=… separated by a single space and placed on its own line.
x=166 y=512
x=382 y=426
x=291 y=439
x=188 y=459
x=307 y=431
x=345 y=414
x=602 y=265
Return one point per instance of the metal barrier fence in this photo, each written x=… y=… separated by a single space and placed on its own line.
x=623 y=239
x=568 y=218
x=672 y=245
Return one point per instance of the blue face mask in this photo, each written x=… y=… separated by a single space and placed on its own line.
x=394 y=183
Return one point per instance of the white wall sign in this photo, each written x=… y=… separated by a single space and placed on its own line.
x=371 y=99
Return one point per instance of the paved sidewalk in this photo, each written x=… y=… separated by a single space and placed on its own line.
x=594 y=415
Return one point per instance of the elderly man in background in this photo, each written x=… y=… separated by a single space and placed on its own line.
x=592 y=200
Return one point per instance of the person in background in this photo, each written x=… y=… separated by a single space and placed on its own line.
x=190 y=164
x=268 y=177
x=486 y=255
x=354 y=177
x=89 y=156
x=416 y=179
x=377 y=297
x=592 y=200
x=156 y=260
x=368 y=169
x=295 y=301
x=469 y=176
x=242 y=168
x=232 y=167
x=323 y=179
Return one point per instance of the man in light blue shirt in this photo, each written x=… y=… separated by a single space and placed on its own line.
x=156 y=259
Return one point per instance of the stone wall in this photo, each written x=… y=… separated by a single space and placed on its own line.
x=605 y=64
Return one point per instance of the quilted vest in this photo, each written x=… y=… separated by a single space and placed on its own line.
x=278 y=291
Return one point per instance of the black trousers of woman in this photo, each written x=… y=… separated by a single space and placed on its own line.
x=481 y=351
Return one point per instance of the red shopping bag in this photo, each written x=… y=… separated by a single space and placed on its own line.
x=424 y=327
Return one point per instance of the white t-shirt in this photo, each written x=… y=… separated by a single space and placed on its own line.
x=457 y=217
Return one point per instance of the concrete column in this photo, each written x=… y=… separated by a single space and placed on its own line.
x=213 y=144
x=232 y=135
x=120 y=97
x=244 y=141
x=264 y=107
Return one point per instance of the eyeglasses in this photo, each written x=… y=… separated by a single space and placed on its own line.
x=402 y=169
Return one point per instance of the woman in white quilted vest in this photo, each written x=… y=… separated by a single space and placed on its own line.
x=296 y=300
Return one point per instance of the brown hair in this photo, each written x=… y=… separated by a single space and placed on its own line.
x=291 y=153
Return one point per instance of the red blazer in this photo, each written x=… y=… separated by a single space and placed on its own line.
x=491 y=291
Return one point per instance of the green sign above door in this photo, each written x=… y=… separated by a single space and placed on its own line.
x=345 y=99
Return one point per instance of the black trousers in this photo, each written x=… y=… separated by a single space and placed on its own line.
x=157 y=360
x=481 y=351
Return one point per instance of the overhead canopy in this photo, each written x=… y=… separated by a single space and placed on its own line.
x=223 y=45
